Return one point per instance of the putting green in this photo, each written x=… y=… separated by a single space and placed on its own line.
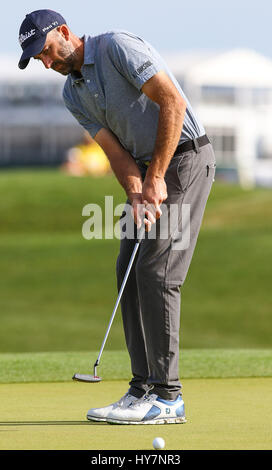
x=222 y=414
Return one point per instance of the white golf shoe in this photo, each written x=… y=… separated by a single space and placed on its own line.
x=101 y=414
x=150 y=409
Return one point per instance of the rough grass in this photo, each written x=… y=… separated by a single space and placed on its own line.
x=195 y=363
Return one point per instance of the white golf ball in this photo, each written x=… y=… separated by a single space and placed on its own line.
x=158 y=443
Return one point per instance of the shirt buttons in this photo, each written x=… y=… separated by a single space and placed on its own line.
x=96 y=95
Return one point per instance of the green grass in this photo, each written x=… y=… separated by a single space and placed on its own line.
x=58 y=290
x=227 y=396
x=231 y=414
x=195 y=363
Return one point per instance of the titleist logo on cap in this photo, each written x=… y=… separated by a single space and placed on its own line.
x=27 y=35
x=24 y=37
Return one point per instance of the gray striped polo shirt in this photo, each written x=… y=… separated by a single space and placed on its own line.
x=108 y=95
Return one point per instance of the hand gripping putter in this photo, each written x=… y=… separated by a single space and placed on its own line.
x=95 y=377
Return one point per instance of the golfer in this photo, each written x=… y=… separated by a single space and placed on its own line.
x=121 y=91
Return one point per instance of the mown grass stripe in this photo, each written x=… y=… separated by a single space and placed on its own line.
x=194 y=363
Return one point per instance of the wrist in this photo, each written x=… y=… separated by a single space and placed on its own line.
x=134 y=196
x=153 y=175
x=133 y=188
x=156 y=169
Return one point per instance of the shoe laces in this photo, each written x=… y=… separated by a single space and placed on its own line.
x=146 y=398
x=124 y=398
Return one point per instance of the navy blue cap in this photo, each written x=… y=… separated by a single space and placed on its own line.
x=33 y=32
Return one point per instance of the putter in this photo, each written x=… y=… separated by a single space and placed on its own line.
x=96 y=378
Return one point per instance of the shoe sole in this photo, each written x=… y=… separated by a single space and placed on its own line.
x=152 y=421
x=93 y=418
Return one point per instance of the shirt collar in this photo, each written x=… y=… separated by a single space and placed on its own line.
x=89 y=51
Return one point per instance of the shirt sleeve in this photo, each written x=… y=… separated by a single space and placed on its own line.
x=90 y=125
x=133 y=58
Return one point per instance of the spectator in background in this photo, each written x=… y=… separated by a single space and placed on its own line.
x=86 y=158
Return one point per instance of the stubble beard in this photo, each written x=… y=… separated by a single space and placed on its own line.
x=69 y=62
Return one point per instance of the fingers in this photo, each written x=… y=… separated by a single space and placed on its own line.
x=152 y=213
x=136 y=214
x=153 y=209
x=145 y=213
x=137 y=211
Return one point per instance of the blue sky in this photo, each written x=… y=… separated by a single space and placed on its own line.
x=170 y=25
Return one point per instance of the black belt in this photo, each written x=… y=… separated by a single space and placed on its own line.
x=194 y=144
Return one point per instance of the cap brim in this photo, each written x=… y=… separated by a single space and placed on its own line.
x=31 y=51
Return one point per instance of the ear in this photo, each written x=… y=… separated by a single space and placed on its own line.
x=64 y=31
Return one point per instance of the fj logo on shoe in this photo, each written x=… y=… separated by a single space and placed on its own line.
x=167 y=411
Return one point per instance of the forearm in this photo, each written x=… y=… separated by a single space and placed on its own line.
x=170 y=125
x=127 y=173
x=171 y=118
x=122 y=163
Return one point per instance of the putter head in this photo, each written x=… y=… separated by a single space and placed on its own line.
x=87 y=378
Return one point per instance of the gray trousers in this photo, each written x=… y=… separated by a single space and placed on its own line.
x=150 y=303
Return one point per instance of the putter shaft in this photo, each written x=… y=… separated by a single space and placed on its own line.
x=135 y=249
x=95 y=377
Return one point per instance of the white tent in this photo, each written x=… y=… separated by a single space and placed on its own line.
x=237 y=68
x=232 y=92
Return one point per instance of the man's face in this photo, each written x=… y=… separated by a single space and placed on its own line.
x=58 y=53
